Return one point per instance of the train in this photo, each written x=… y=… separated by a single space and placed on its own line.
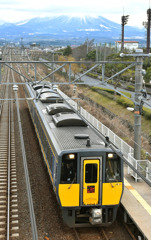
x=86 y=174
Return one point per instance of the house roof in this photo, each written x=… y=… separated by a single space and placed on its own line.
x=128 y=42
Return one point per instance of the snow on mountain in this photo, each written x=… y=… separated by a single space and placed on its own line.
x=21 y=23
x=65 y=27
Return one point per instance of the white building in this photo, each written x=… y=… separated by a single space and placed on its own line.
x=130 y=45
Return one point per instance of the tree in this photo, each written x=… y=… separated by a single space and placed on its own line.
x=147 y=77
x=67 y=51
x=91 y=55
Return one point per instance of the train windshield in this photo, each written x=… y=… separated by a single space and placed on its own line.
x=68 y=170
x=113 y=168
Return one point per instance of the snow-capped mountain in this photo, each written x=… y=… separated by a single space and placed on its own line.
x=69 y=28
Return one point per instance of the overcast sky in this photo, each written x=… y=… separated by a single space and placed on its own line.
x=18 y=10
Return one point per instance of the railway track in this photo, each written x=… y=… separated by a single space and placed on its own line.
x=9 y=228
x=47 y=220
x=95 y=233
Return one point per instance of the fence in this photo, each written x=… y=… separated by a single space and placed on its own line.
x=143 y=166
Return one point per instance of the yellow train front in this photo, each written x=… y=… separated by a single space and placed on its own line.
x=90 y=188
x=87 y=176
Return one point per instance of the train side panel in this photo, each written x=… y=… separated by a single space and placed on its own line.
x=48 y=152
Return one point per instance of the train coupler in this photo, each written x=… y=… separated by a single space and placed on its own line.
x=96 y=216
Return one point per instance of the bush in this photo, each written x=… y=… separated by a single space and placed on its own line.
x=146 y=113
x=148 y=85
x=93 y=75
x=125 y=102
x=127 y=94
x=122 y=100
x=99 y=89
x=130 y=87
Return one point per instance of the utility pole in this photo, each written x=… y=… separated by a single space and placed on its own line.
x=124 y=20
x=103 y=71
x=139 y=55
x=148 y=29
x=87 y=46
x=22 y=47
x=0 y=73
x=97 y=52
x=138 y=105
x=53 y=66
x=147 y=26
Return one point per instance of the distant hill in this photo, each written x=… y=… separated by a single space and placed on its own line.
x=72 y=29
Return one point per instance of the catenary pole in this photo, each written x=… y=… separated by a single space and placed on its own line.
x=139 y=55
x=137 y=108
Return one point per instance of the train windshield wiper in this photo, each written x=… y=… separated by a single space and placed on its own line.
x=72 y=182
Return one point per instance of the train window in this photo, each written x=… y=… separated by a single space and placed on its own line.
x=113 y=169
x=68 y=171
x=91 y=173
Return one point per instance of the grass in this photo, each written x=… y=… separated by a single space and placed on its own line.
x=111 y=105
x=116 y=108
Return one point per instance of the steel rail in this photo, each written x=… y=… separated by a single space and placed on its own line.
x=9 y=171
x=9 y=162
x=29 y=194
x=76 y=234
x=6 y=121
x=104 y=234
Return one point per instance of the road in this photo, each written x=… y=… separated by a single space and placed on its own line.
x=95 y=82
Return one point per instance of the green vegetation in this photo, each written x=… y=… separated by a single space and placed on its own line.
x=99 y=89
x=128 y=75
x=147 y=77
x=130 y=87
x=124 y=102
x=148 y=85
x=121 y=100
x=118 y=105
x=91 y=55
x=93 y=75
x=147 y=113
x=67 y=51
x=127 y=94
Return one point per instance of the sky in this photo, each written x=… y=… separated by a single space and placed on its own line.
x=20 y=10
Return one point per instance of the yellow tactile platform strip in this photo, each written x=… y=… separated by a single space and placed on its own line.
x=137 y=196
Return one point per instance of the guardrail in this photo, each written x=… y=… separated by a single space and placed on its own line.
x=143 y=166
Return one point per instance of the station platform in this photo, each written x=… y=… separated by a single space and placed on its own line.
x=136 y=201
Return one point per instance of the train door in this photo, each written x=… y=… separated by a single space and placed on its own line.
x=91 y=182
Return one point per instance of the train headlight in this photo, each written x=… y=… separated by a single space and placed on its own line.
x=71 y=156
x=110 y=155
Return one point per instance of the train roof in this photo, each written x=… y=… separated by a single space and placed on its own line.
x=40 y=85
x=67 y=128
x=55 y=108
